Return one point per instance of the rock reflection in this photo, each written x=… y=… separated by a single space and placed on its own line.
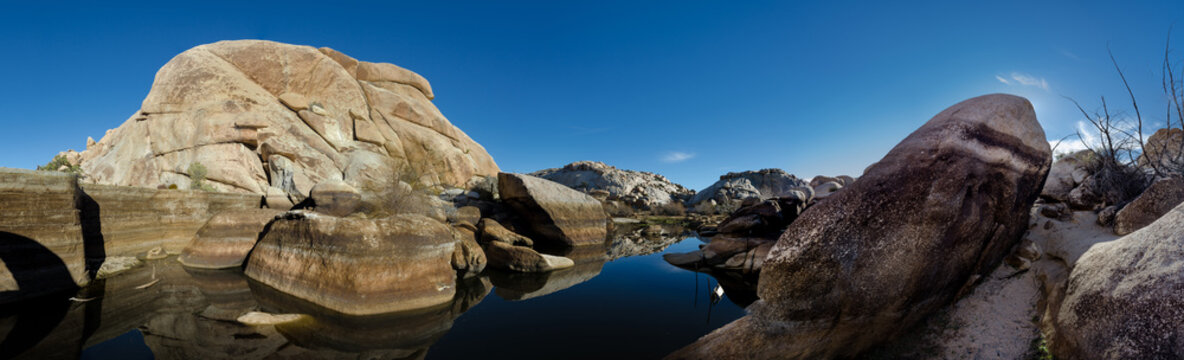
x=521 y=286
x=403 y=335
x=191 y=314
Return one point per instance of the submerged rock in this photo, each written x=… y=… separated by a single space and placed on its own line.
x=870 y=262
x=227 y=238
x=556 y=215
x=357 y=266
x=1125 y=298
x=256 y=318
x=1162 y=196
x=636 y=188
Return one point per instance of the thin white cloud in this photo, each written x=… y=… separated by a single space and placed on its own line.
x=1029 y=80
x=1017 y=78
x=1070 y=54
x=676 y=157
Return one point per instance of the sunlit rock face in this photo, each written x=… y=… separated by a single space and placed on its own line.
x=357 y=266
x=940 y=210
x=737 y=186
x=555 y=214
x=637 y=188
x=1125 y=298
x=225 y=240
x=260 y=114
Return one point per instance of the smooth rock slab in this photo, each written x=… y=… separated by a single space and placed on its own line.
x=939 y=211
x=556 y=214
x=225 y=240
x=357 y=266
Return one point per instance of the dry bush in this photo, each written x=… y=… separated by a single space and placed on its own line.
x=398 y=196
x=672 y=208
x=617 y=209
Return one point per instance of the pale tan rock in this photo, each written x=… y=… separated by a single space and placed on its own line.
x=556 y=214
x=277 y=199
x=1125 y=298
x=358 y=266
x=336 y=198
x=294 y=101
x=368 y=71
x=225 y=240
x=256 y=318
x=233 y=104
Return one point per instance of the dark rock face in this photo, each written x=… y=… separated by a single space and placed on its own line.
x=637 y=188
x=467 y=256
x=556 y=214
x=762 y=184
x=357 y=266
x=493 y=231
x=766 y=218
x=1125 y=298
x=522 y=259
x=227 y=238
x=1157 y=200
x=939 y=211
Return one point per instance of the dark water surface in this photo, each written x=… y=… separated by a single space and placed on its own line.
x=632 y=306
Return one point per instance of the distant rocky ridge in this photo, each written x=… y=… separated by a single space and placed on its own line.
x=637 y=188
x=763 y=184
x=260 y=114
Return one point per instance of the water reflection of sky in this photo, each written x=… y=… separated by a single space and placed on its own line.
x=631 y=307
x=638 y=307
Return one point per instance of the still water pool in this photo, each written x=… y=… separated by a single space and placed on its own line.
x=619 y=302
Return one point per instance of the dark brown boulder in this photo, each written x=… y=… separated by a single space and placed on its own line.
x=1157 y=200
x=918 y=228
x=522 y=259
x=762 y=218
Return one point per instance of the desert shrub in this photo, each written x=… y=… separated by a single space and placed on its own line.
x=197 y=177
x=617 y=209
x=403 y=194
x=673 y=208
x=57 y=164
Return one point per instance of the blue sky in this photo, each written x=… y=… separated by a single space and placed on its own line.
x=687 y=89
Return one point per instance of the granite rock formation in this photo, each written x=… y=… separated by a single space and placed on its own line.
x=639 y=189
x=938 y=212
x=260 y=114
